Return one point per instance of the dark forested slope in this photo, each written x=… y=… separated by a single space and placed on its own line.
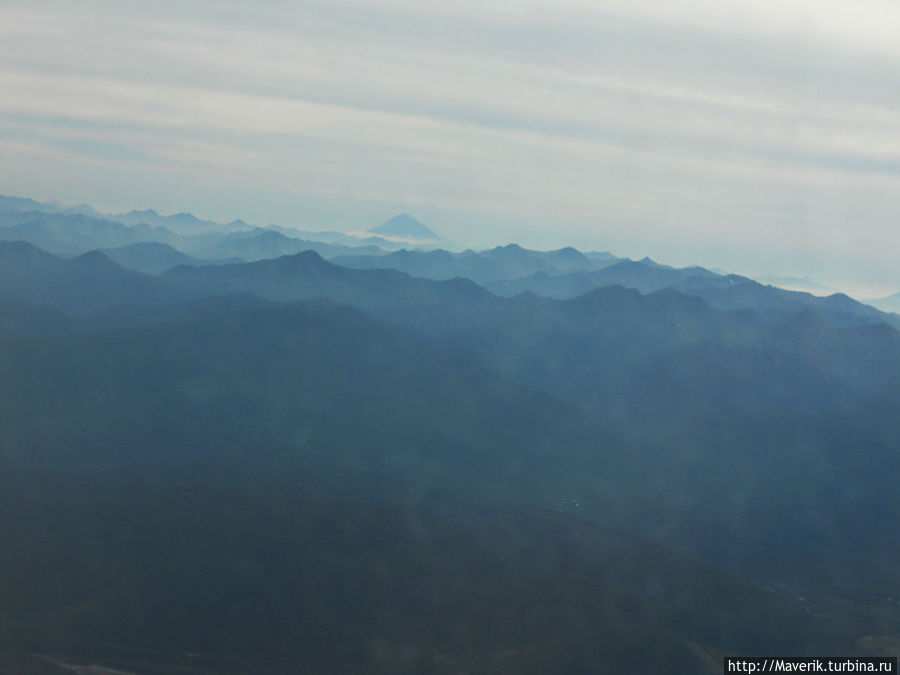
x=218 y=470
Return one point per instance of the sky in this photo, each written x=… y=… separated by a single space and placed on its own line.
x=752 y=136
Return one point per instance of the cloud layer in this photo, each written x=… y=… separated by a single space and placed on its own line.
x=756 y=135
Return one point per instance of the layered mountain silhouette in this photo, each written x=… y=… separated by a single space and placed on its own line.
x=150 y=257
x=73 y=234
x=83 y=285
x=404 y=226
x=333 y=452
x=890 y=303
x=182 y=223
x=503 y=263
x=428 y=461
x=645 y=276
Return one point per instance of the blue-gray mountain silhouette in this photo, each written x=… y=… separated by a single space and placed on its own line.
x=405 y=226
x=583 y=465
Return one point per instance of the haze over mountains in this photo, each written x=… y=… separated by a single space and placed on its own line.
x=34 y=219
x=404 y=226
x=230 y=449
x=505 y=270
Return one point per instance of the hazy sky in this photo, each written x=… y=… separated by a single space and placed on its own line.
x=752 y=135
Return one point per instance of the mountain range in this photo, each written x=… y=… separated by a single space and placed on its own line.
x=222 y=453
x=504 y=270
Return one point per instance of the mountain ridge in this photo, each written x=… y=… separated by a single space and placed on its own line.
x=404 y=226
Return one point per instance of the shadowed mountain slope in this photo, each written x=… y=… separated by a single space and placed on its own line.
x=643 y=276
x=675 y=377
x=83 y=285
x=306 y=275
x=255 y=491
x=727 y=292
x=72 y=234
x=260 y=244
x=150 y=257
x=498 y=264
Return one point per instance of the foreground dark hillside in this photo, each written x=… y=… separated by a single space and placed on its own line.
x=296 y=391
x=211 y=471
x=303 y=487
x=268 y=577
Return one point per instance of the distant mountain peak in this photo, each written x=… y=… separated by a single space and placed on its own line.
x=19 y=249
x=405 y=227
x=569 y=251
x=96 y=260
x=306 y=259
x=84 y=209
x=506 y=250
x=650 y=262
